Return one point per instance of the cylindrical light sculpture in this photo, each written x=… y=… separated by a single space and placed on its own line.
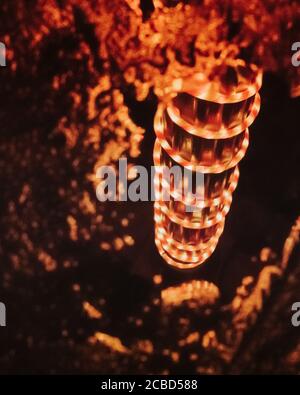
x=203 y=128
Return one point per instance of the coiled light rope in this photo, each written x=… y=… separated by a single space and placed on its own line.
x=203 y=129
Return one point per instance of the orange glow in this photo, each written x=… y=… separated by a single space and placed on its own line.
x=195 y=293
x=113 y=343
x=91 y=311
x=203 y=127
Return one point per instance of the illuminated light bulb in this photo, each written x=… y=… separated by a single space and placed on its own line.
x=203 y=128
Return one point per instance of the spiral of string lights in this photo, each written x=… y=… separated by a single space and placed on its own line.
x=203 y=128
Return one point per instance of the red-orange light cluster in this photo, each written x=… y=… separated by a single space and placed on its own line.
x=203 y=128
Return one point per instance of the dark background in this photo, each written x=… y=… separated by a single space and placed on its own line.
x=48 y=330
x=41 y=305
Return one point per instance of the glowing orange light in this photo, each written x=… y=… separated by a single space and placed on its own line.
x=204 y=128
